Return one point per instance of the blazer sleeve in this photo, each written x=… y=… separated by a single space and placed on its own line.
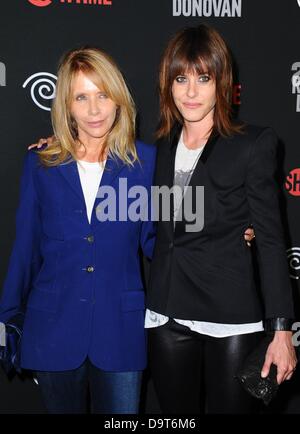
x=263 y=199
x=25 y=259
x=148 y=229
x=147 y=239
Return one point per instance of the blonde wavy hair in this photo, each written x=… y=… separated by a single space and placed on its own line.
x=103 y=71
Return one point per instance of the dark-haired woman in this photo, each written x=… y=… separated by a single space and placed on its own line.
x=205 y=313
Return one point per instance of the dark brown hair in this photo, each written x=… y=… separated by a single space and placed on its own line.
x=202 y=50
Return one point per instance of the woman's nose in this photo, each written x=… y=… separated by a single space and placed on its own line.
x=93 y=106
x=191 y=89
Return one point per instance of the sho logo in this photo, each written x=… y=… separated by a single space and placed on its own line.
x=292 y=183
x=42 y=89
x=2 y=335
x=293 y=255
x=2 y=74
x=296 y=83
x=40 y=3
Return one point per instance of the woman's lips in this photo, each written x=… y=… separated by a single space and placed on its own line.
x=191 y=105
x=95 y=124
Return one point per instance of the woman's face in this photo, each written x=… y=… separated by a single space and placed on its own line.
x=194 y=96
x=93 y=111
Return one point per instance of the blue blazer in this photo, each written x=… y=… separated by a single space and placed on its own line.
x=81 y=283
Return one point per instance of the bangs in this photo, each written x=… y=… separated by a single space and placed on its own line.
x=194 y=54
x=99 y=79
x=191 y=62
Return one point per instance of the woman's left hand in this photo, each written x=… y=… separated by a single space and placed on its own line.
x=281 y=353
x=249 y=235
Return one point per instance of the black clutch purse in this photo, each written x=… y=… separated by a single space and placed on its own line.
x=249 y=374
x=10 y=353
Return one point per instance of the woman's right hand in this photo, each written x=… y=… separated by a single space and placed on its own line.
x=40 y=143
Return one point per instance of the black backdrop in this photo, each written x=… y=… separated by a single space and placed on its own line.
x=264 y=39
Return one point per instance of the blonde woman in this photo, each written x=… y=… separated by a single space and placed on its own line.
x=77 y=273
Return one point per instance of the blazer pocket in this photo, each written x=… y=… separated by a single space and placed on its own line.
x=52 y=226
x=133 y=300
x=43 y=300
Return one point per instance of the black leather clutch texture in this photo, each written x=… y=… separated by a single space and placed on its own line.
x=249 y=374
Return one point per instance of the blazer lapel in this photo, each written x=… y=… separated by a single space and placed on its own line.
x=70 y=172
x=170 y=168
x=198 y=177
x=113 y=167
x=174 y=138
x=173 y=147
x=206 y=153
x=209 y=147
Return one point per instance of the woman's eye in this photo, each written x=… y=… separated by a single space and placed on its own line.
x=204 y=78
x=103 y=95
x=180 y=79
x=80 y=97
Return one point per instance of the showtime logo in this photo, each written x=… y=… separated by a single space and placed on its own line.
x=40 y=3
x=292 y=183
x=44 y=3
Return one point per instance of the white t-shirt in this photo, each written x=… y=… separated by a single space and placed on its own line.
x=185 y=163
x=90 y=176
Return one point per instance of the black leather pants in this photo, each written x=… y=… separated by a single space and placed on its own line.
x=195 y=373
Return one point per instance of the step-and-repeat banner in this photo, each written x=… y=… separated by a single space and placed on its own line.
x=264 y=38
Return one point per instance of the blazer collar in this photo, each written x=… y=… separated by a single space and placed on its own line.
x=208 y=148
x=70 y=172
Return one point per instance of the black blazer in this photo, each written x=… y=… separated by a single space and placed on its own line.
x=208 y=275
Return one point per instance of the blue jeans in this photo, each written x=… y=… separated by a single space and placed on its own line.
x=69 y=392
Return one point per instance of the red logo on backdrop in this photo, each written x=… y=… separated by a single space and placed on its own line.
x=292 y=183
x=40 y=3
x=43 y=3
x=236 y=93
